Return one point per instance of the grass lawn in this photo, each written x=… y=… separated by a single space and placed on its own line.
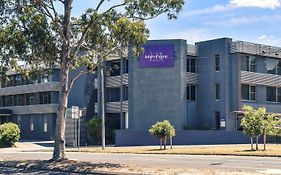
x=273 y=150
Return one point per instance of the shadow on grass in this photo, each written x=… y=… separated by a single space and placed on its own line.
x=60 y=166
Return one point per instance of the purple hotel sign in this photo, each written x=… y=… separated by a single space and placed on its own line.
x=157 y=56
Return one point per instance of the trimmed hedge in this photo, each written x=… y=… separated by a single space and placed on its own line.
x=9 y=134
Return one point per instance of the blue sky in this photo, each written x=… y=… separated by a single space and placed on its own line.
x=249 y=20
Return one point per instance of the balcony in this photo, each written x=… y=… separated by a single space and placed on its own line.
x=33 y=109
x=114 y=107
x=31 y=88
x=192 y=78
x=260 y=79
x=114 y=81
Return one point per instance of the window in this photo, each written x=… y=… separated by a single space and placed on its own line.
x=248 y=92
x=217 y=62
x=218 y=92
x=30 y=99
x=114 y=68
x=273 y=94
x=18 y=80
x=218 y=119
x=45 y=124
x=125 y=92
x=191 y=65
x=31 y=124
x=191 y=93
x=248 y=63
x=113 y=94
x=273 y=66
x=45 y=97
x=8 y=100
x=19 y=100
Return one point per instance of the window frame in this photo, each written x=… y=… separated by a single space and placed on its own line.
x=217 y=91
x=217 y=62
x=251 y=93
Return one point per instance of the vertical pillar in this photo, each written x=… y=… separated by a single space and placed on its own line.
x=126 y=120
x=121 y=93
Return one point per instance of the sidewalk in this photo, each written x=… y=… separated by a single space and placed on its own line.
x=29 y=146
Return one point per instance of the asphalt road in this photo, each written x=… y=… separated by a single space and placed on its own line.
x=245 y=164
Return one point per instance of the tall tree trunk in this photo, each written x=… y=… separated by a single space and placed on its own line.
x=161 y=143
x=257 y=142
x=252 y=147
x=165 y=142
x=171 y=142
x=59 y=147
x=264 y=139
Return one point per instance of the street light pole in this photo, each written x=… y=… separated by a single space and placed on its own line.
x=102 y=108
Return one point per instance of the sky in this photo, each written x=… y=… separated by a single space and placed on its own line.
x=248 y=20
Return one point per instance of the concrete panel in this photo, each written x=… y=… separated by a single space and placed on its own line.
x=156 y=94
x=189 y=137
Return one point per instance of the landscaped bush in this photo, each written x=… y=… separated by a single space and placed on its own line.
x=163 y=130
x=9 y=134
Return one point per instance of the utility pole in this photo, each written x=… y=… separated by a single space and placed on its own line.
x=102 y=107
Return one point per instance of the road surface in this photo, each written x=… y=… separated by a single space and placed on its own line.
x=245 y=164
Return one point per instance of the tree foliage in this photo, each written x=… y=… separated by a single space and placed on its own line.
x=9 y=134
x=252 y=122
x=38 y=34
x=163 y=130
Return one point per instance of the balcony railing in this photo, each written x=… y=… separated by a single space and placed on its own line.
x=255 y=49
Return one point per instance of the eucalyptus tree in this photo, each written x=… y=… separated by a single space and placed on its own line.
x=41 y=33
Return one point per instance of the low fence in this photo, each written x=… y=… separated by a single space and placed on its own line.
x=185 y=137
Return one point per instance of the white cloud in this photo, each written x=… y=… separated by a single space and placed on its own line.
x=234 y=4
x=210 y=10
x=245 y=20
x=262 y=37
x=271 y=4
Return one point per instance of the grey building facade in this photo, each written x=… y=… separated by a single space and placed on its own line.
x=203 y=87
x=195 y=87
x=32 y=103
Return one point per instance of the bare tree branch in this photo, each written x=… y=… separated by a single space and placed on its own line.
x=99 y=5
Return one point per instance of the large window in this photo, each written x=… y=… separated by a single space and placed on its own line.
x=191 y=65
x=273 y=94
x=217 y=62
x=273 y=66
x=113 y=94
x=19 y=100
x=248 y=63
x=218 y=96
x=248 y=92
x=191 y=93
x=8 y=100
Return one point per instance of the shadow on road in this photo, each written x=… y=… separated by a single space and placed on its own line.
x=66 y=166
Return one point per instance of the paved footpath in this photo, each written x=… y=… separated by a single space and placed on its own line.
x=266 y=165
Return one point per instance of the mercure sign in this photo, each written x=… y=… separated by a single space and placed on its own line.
x=157 y=56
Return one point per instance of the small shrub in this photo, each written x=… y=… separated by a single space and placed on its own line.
x=94 y=129
x=9 y=134
x=163 y=130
